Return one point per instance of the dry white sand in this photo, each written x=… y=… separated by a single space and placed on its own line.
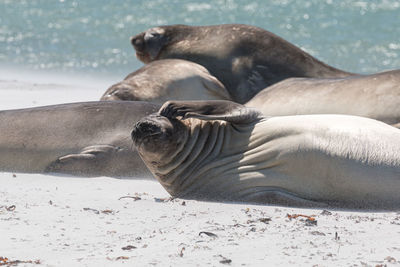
x=69 y=221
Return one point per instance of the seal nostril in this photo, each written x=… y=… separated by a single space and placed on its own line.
x=133 y=40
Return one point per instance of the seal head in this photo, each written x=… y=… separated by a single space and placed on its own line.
x=157 y=138
x=149 y=44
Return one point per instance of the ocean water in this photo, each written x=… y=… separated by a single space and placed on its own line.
x=92 y=36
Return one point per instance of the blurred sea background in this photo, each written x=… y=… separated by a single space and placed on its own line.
x=91 y=37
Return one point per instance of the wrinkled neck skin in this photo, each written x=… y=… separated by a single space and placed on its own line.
x=206 y=153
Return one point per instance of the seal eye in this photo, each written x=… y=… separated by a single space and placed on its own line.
x=151 y=35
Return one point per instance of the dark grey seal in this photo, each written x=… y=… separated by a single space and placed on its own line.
x=246 y=59
x=85 y=139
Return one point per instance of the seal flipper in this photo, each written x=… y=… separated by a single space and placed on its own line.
x=210 y=110
x=251 y=86
x=89 y=162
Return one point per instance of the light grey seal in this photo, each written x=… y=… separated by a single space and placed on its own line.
x=246 y=59
x=375 y=96
x=85 y=139
x=223 y=151
x=167 y=79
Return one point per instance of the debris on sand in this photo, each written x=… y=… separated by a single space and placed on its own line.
x=390 y=259
x=128 y=247
x=208 y=234
x=265 y=220
x=9 y=208
x=326 y=212
x=90 y=209
x=108 y=211
x=317 y=233
x=4 y=261
x=181 y=252
x=294 y=216
x=310 y=220
x=135 y=198
x=225 y=260
x=118 y=258
x=163 y=200
x=337 y=236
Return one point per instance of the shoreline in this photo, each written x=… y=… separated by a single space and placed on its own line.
x=23 y=74
x=24 y=90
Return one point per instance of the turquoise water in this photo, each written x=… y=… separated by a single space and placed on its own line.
x=92 y=36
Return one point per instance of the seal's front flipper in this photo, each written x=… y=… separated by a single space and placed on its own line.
x=253 y=84
x=91 y=161
x=209 y=110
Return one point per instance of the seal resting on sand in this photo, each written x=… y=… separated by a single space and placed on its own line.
x=376 y=96
x=246 y=59
x=85 y=139
x=223 y=151
x=162 y=80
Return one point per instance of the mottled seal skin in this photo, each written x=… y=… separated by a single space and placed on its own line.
x=375 y=96
x=162 y=80
x=246 y=59
x=223 y=151
x=85 y=139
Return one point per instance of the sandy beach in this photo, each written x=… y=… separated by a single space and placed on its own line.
x=50 y=220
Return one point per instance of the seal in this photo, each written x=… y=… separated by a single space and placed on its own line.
x=85 y=139
x=375 y=96
x=224 y=151
x=167 y=79
x=246 y=59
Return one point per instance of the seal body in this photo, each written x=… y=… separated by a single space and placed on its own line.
x=375 y=96
x=246 y=59
x=305 y=160
x=86 y=139
x=167 y=79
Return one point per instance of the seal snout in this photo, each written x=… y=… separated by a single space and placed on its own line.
x=144 y=128
x=137 y=42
